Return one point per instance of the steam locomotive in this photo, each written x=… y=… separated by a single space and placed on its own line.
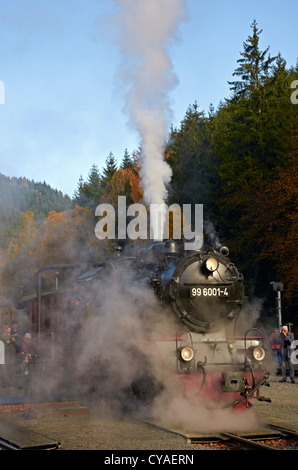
x=188 y=305
x=203 y=294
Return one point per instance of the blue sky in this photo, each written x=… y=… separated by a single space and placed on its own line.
x=59 y=62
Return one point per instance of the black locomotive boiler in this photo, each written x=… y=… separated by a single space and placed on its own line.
x=203 y=292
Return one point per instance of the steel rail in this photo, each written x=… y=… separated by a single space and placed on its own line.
x=7 y=445
x=287 y=432
x=247 y=441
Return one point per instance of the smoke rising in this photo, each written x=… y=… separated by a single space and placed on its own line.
x=211 y=234
x=145 y=29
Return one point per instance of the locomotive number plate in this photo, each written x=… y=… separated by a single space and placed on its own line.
x=209 y=292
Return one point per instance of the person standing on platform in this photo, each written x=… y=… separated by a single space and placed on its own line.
x=28 y=358
x=285 y=349
x=10 y=355
x=275 y=342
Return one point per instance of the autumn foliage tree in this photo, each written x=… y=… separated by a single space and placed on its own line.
x=64 y=238
x=277 y=222
x=125 y=182
x=19 y=262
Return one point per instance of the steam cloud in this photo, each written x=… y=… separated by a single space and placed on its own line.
x=145 y=29
x=112 y=353
x=107 y=346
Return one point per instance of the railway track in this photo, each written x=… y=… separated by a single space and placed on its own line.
x=267 y=437
x=271 y=438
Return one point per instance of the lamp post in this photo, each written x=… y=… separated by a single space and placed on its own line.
x=278 y=287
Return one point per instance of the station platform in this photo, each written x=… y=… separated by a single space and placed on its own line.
x=11 y=400
x=40 y=409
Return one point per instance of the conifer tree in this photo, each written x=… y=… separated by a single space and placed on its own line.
x=127 y=162
x=88 y=193
x=108 y=171
x=254 y=66
x=189 y=154
x=92 y=187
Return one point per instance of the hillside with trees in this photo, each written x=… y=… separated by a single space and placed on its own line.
x=239 y=161
x=18 y=195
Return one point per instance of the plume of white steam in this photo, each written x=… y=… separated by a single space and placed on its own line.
x=212 y=235
x=144 y=29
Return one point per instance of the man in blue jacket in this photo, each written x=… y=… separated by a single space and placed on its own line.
x=285 y=350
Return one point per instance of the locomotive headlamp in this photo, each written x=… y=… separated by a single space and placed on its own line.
x=186 y=353
x=259 y=354
x=211 y=264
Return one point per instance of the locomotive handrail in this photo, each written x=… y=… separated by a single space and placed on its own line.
x=251 y=329
x=181 y=336
x=208 y=284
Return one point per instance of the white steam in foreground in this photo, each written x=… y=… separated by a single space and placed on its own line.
x=114 y=351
